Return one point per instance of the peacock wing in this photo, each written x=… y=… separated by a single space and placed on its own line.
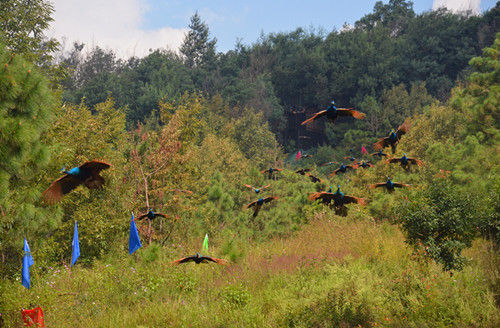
x=213 y=259
x=183 y=260
x=60 y=187
x=381 y=143
x=377 y=185
x=355 y=200
x=400 y=185
x=317 y=115
x=350 y=112
x=269 y=199
x=95 y=166
x=415 y=161
x=403 y=128
x=393 y=160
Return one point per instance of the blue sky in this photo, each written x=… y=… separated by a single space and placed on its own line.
x=133 y=27
x=229 y=20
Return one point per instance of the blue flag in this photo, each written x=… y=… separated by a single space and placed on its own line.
x=27 y=262
x=134 y=243
x=76 y=246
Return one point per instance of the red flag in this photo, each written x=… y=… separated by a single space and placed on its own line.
x=33 y=318
x=298 y=156
x=363 y=150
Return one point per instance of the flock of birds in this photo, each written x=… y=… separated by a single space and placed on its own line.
x=88 y=174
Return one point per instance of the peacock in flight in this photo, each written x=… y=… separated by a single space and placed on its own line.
x=339 y=200
x=258 y=204
x=365 y=164
x=343 y=169
x=270 y=172
x=332 y=112
x=86 y=174
x=151 y=215
x=199 y=259
x=406 y=161
x=389 y=185
x=380 y=153
x=393 y=138
x=257 y=190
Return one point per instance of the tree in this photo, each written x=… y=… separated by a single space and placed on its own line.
x=26 y=112
x=197 y=48
x=23 y=23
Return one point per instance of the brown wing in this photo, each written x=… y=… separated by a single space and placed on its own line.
x=162 y=215
x=251 y=204
x=378 y=154
x=265 y=187
x=321 y=195
x=264 y=171
x=377 y=185
x=279 y=170
x=330 y=163
x=415 y=161
x=351 y=167
x=394 y=160
x=249 y=186
x=317 y=115
x=381 y=143
x=269 y=199
x=400 y=185
x=403 y=128
x=334 y=172
x=313 y=178
x=183 y=260
x=95 y=166
x=350 y=112
x=355 y=200
x=213 y=259
x=141 y=217
x=60 y=187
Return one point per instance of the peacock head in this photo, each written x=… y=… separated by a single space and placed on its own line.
x=63 y=170
x=330 y=189
x=257 y=190
x=333 y=102
x=197 y=254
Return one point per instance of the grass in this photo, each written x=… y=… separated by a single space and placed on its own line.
x=334 y=272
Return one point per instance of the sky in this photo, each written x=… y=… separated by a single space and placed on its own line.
x=132 y=27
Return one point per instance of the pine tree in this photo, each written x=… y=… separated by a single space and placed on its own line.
x=197 y=48
x=26 y=111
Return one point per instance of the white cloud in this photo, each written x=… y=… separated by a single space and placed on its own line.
x=114 y=24
x=458 y=5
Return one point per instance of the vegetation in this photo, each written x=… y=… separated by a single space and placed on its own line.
x=208 y=123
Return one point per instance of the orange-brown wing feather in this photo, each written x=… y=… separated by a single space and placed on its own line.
x=415 y=161
x=350 y=112
x=403 y=128
x=265 y=187
x=381 y=143
x=95 y=166
x=356 y=200
x=269 y=199
x=60 y=187
x=317 y=115
x=183 y=260
x=393 y=160
x=399 y=184
x=248 y=186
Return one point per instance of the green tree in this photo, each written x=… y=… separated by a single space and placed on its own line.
x=26 y=112
x=197 y=48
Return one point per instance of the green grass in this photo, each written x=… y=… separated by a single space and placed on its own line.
x=335 y=272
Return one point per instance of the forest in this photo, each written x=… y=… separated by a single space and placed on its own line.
x=216 y=143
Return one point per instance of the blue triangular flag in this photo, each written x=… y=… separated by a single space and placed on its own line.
x=134 y=243
x=27 y=262
x=76 y=246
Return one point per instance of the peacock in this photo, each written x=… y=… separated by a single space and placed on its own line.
x=332 y=112
x=389 y=185
x=258 y=204
x=393 y=138
x=86 y=174
x=199 y=259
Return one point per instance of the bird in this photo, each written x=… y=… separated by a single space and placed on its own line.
x=393 y=138
x=365 y=164
x=339 y=200
x=313 y=178
x=332 y=112
x=86 y=174
x=380 y=154
x=270 y=172
x=302 y=171
x=351 y=158
x=199 y=259
x=258 y=204
x=389 y=185
x=342 y=169
x=150 y=215
x=257 y=190
x=406 y=161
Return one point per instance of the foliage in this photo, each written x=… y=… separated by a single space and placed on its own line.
x=26 y=113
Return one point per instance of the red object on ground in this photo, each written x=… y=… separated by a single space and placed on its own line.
x=363 y=150
x=298 y=156
x=33 y=318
